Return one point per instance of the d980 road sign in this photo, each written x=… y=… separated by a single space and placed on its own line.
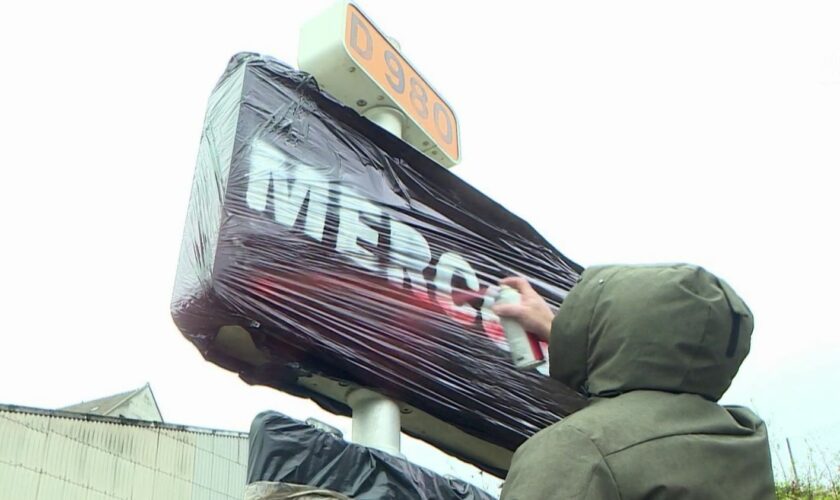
x=356 y=63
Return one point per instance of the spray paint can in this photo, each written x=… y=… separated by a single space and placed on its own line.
x=525 y=350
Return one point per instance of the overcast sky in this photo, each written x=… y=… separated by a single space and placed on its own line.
x=624 y=131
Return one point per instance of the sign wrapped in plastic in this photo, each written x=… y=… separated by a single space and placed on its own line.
x=321 y=253
x=285 y=450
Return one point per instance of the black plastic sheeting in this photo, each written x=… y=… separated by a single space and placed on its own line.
x=344 y=252
x=286 y=450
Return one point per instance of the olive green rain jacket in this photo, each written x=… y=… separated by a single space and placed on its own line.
x=654 y=347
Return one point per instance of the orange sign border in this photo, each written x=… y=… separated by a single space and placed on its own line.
x=414 y=86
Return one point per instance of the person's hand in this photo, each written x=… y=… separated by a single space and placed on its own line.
x=532 y=312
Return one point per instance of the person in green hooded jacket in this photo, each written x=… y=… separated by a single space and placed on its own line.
x=653 y=348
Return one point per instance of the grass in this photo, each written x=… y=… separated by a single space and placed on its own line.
x=786 y=491
x=817 y=479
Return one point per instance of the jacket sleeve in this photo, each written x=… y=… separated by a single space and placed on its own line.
x=559 y=463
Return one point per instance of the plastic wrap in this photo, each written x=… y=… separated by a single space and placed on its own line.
x=316 y=243
x=285 y=450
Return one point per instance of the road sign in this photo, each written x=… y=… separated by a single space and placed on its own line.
x=324 y=256
x=355 y=62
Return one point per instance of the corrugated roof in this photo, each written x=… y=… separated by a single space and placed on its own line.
x=124 y=404
x=102 y=406
x=72 y=415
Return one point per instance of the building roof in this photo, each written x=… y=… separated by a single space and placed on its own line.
x=100 y=406
x=91 y=417
x=119 y=405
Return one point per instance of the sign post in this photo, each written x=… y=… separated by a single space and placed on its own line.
x=376 y=419
x=363 y=68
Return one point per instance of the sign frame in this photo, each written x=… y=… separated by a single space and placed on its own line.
x=354 y=61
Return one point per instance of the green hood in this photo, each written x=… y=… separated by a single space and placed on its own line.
x=674 y=328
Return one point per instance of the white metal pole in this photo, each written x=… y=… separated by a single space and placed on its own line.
x=391 y=119
x=376 y=419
